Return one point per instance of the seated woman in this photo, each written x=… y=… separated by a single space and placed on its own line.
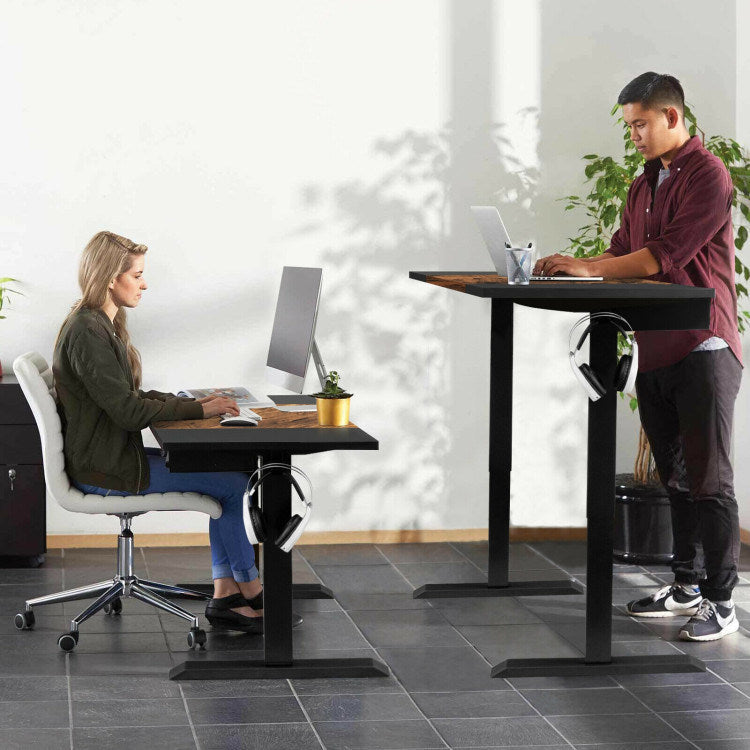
x=97 y=374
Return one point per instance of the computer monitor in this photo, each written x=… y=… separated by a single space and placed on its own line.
x=293 y=335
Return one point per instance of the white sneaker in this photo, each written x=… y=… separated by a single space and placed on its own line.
x=711 y=622
x=670 y=601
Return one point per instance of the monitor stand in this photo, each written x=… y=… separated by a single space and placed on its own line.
x=320 y=369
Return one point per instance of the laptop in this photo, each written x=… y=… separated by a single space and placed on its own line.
x=495 y=237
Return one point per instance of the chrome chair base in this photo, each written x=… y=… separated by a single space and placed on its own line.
x=108 y=594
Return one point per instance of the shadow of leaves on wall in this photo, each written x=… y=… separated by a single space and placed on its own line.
x=392 y=337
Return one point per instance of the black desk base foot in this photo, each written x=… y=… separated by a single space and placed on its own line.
x=311 y=591
x=514 y=588
x=299 y=590
x=577 y=667
x=258 y=669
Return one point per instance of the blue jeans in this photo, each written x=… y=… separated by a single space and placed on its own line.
x=232 y=555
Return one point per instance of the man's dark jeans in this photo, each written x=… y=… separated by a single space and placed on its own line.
x=687 y=411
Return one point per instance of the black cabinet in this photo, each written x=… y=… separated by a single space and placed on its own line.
x=23 y=520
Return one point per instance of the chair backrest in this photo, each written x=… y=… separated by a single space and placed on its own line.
x=37 y=383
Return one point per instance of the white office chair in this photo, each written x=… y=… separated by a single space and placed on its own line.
x=35 y=378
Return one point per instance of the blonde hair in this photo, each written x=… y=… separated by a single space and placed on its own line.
x=106 y=256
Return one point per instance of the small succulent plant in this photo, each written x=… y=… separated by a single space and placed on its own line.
x=331 y=388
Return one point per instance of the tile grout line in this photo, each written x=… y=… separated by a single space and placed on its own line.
x=67 y=658
x=614 y=606
x=393 y=565
x=306 y=715
x=519 y=600
x=393 y=675
x=189 y=718
x=658 y=716
x=467 y=558
x=472 y=646
x=401 y=685
x=720 y=680
x=514 y=688
x=549 y=560
x=544 y=557
x=169 y=651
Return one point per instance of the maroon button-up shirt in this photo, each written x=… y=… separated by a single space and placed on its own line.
x=687 y=227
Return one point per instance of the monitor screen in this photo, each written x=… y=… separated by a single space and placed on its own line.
x=294 y=327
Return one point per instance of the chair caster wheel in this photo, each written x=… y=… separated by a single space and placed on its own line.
x=113 y=608
x=24 y=620
x=68 y=641
x=197 y=637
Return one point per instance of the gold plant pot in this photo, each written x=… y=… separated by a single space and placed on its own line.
x=333 y=412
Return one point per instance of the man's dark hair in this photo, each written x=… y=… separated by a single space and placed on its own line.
x=654 y=91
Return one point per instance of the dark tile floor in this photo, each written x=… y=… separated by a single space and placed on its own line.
x=113 y=691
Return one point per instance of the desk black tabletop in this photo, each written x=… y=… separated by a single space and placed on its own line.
x=647 y=305
x=296 y=433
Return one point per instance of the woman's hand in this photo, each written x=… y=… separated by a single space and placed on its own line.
x=213 y=406
x=564 y=265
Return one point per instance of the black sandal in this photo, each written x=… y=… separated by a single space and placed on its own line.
x=219 y=612
x=257 y=603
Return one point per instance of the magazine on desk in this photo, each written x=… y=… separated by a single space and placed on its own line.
x=241 y=395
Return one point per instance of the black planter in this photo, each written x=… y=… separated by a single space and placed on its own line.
x=643 y=524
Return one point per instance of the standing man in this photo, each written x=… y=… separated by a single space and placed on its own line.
x=677 y=227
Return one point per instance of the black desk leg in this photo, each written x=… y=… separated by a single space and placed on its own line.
x=501 y=451
x=279 y=661
x=600 y=506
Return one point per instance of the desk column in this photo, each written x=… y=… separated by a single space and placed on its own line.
x=600 y=506
x=600 y=498
x=501 y=442
x=277 y=567
x=500 y=459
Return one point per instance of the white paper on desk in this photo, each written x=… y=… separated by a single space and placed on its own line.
x=296 y=407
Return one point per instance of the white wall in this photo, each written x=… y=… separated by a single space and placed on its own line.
x=238 y=139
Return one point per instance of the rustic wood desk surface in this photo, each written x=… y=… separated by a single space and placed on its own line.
x=271 y=418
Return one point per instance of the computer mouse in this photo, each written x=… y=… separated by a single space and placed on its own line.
x=238 y=422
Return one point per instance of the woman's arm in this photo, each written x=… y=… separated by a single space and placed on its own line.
x=162 y=396
x=158 y=395
x=94 y=361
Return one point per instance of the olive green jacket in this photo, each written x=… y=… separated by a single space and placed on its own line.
x=102 y=412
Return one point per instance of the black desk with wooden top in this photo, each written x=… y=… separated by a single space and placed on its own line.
x=204 y=445
x=646 y=305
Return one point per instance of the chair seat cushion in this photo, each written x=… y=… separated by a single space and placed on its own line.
x=79 y=502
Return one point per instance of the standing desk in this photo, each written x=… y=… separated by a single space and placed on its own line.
x=204 y=445
x=646 y=305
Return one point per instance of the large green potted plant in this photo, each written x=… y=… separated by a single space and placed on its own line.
x=603 y=207
x=5 y=292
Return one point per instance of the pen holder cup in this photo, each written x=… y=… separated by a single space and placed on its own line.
x=518 y=262
x=333 y=412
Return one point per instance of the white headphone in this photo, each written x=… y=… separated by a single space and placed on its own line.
x=252 y=514
x=627 y=366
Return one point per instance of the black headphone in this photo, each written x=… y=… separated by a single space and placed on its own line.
x=255 y=522
x=627 y=365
